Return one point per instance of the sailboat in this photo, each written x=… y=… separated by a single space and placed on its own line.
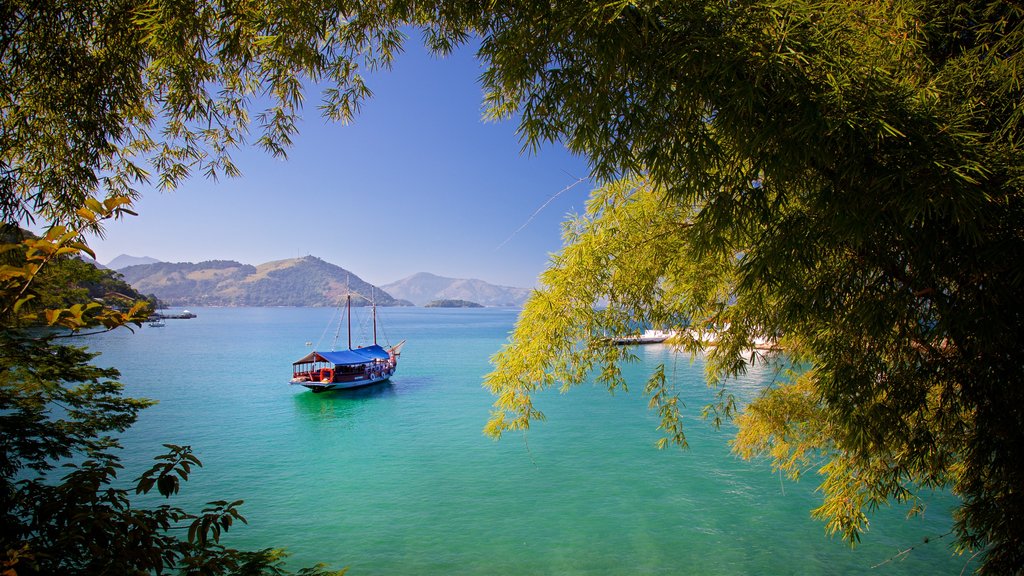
x=352 y=368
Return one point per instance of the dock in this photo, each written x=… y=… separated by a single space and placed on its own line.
x=173 y=316
x=707 y=338
x=648 y=337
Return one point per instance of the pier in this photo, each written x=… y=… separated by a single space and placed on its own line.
x=172 y=316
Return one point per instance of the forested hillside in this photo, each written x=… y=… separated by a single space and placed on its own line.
x=69 y=280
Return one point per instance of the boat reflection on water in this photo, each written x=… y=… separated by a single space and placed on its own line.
x=342 y=403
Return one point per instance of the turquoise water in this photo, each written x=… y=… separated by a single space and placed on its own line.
x=399 y=479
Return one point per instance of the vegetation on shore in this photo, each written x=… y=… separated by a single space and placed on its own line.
x=452 y=304
x=68 y=280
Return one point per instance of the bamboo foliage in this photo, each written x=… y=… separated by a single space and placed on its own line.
x=845 y=181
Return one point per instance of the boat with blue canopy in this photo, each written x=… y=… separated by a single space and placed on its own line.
x=352 y=368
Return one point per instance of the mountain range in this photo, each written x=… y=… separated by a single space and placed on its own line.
x=423 y=288
x=307 y=281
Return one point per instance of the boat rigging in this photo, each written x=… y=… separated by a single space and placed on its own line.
x=351 y=368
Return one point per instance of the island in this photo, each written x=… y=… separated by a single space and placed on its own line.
x=452 y=304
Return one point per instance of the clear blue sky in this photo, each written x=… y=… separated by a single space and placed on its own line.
x=418 y=183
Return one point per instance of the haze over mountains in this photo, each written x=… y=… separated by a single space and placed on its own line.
x=423 y=288
x=307 y=281
x=124 y=261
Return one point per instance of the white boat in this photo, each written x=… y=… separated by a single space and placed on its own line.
x=351 y=368
x=158 y=323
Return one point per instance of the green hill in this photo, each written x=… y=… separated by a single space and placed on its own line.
x=67 y=281
x=452 y=304
x=307 y=281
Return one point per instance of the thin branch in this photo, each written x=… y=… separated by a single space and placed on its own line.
x=538 y=211
x=77 y=334
x=969 y=560
x=903 y=553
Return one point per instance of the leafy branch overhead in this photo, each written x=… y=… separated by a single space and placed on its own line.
x=842 y=180
x=102 y=98
x=23 y=275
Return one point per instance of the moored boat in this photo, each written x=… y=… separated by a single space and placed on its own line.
x=352 y=368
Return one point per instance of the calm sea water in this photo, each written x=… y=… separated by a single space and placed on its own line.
x=399 y=479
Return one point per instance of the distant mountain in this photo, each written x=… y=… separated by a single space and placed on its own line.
x=423 y=288
x=307 y=281
x=91 y=262
x=124 y=261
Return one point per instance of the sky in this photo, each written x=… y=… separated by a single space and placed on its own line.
x=418 y=183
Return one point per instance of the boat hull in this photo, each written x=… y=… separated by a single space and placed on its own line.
x=355 y=382
x=321 y=371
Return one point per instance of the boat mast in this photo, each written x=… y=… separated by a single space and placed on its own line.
x=373 y=302
x=348 y=305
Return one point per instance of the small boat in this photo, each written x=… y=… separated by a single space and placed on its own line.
x=352 y=368
x=158 y=323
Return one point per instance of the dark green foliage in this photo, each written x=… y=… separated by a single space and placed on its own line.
x=71 y=87
x=847 y=176
x=451 y=304
x=61 y=508
x=71 y=281
x=100 y=97
x=81 y=87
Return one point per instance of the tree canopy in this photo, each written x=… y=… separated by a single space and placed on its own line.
x=840 y=179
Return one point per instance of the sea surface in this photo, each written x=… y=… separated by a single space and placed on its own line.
x=399 y=479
